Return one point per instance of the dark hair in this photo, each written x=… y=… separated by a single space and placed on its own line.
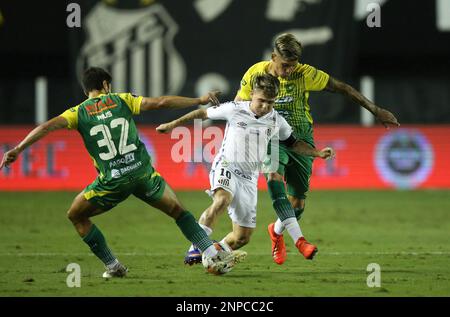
x=288 y=47
x=93 y=78
x=268 y=84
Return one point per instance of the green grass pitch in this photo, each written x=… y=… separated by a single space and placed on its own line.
x=406 y=233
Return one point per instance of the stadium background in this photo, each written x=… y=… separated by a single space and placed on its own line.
x=187 y=47
x=383 y=199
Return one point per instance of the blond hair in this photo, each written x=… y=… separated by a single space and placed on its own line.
x=288 y=47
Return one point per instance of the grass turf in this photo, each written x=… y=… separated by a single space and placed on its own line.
x=406 y=233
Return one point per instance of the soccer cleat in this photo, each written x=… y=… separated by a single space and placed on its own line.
x=117 y=271
x=307 y=249
x=193 y=257
x=278 y=247
x=224 y=261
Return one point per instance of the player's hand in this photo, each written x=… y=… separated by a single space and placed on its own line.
x=327 y=153
x=164 y=128
x=9 y=157
x=386 y=118
x=210 y=97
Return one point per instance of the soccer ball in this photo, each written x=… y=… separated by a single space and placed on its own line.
x=217 y=267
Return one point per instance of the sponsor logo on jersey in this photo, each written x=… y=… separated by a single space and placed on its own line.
x=115 y=173
x=282 y=100
x=224 y=181
x=240 y=174
x=130 y=168
x=127 y=159
x=100 y=106
x=242 y=125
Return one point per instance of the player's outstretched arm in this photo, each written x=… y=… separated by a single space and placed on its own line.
x=383 y=115
x=177 y=102
x=38 y=133
x=196 y=114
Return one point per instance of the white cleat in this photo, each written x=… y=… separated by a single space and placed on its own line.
x=224 y=261
x=117 y=271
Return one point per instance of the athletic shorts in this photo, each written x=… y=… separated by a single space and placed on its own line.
x=148 y=187
x=296 y=170
x=242 y=209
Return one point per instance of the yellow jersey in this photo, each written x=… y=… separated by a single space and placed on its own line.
x=292 y=98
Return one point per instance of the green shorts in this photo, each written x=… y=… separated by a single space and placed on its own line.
x=296 y=170
x=148 y=187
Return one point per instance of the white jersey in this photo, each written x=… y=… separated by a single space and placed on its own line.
x=246 y=139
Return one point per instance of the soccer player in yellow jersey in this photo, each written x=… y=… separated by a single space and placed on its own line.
x=296 y=81
x=105 y=123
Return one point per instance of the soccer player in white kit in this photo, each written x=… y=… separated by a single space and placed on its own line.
x=252 y=128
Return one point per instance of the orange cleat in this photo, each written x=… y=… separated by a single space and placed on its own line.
x=278 y=246
x=307 y=249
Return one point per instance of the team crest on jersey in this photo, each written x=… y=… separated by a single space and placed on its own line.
x=136 y=47
x=290 y=87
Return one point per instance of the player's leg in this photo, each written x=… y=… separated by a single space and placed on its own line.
x=237 y=238
x=157 y=193
x=84 y=206
x=221 y=200
x=242 y=212
x=285 y=211
x=297 y=176
x=222 y=183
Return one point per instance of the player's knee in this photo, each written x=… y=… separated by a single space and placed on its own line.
x=275 y=177
x=175 y=211
x=297 y=202
x=73 y=215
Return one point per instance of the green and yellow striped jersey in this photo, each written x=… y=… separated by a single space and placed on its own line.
x=110 y=134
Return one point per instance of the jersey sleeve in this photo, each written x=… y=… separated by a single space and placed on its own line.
x=315 y=79
x=133 y=102
x=246 y=85
x=71 y=115
x=285 y=129
x=222 y=112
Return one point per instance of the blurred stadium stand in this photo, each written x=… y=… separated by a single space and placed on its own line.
x=214 y=42
x=188 y=47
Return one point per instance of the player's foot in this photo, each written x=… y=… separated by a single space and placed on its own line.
x=224 y=261
x=307 y=249
x=193 y=257
x=278 y=247
x=117 y=271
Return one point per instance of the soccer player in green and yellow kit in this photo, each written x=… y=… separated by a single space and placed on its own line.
x=296 y=81
x=105 y=123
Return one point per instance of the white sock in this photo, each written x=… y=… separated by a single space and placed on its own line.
x=292 y=226
x=225 y=245
x=279 y=227
x=208 y=231
x=210 y=251
x=113 y=264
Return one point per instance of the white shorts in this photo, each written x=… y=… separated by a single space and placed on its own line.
x=242 y=209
